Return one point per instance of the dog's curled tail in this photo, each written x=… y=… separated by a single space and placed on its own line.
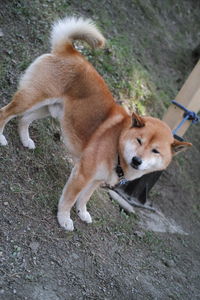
x=66 y=30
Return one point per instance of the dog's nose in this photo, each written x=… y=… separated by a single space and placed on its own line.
x=136 y=162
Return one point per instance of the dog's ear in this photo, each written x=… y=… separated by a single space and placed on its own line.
x=179 y=146
x=137 y=121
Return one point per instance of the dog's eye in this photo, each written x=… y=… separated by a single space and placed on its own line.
x=155 y=151
x=139 y=141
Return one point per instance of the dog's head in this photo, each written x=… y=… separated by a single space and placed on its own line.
x=147 y=146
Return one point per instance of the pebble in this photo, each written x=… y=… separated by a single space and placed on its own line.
x=34 y=246
x=140 y=234
x=168 y=263
x=75 y=256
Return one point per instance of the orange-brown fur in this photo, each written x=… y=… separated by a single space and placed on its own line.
x=96 y=130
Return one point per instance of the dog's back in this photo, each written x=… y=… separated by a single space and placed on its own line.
x=65 y=75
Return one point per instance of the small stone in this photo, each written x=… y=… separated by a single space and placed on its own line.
x=168 y=263
x=139 y=234
x=6 y=203
x=34 y=246
x=75 y=256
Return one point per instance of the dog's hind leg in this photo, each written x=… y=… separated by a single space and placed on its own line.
x=54 y=110
x=6 y=114
x=3 y=141
x=26 y=120
x=22 y=101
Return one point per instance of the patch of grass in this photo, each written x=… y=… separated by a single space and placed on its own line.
x=151 y=238
x=126 y=78
x=181 y=161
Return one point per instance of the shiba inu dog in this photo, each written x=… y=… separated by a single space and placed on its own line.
x=97 y=131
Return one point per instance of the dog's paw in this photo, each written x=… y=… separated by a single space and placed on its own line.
x=3 y=141
x=65 y=222
x=85 y=216
x=29 y=143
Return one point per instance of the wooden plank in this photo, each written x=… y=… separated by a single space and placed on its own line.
x=189 y=96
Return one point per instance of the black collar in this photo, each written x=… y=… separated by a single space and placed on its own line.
x=119 y=170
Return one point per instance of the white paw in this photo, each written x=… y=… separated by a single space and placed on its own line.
x=65 y=222
x=29 y=143
x=3 y=141
x=85 y=216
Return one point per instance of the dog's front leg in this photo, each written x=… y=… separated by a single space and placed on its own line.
x=82 y=200
x=75 y=184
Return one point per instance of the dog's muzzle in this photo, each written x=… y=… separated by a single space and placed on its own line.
x=136 y=162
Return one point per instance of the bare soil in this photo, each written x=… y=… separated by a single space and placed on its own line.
x=119 y=256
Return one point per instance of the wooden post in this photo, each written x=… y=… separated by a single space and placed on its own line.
x=188 y=96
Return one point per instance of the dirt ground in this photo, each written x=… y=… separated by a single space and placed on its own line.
x=118 y=256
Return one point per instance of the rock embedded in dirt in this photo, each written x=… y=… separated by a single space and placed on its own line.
x=139 y=234
x=168 y=263
x=34 y=246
